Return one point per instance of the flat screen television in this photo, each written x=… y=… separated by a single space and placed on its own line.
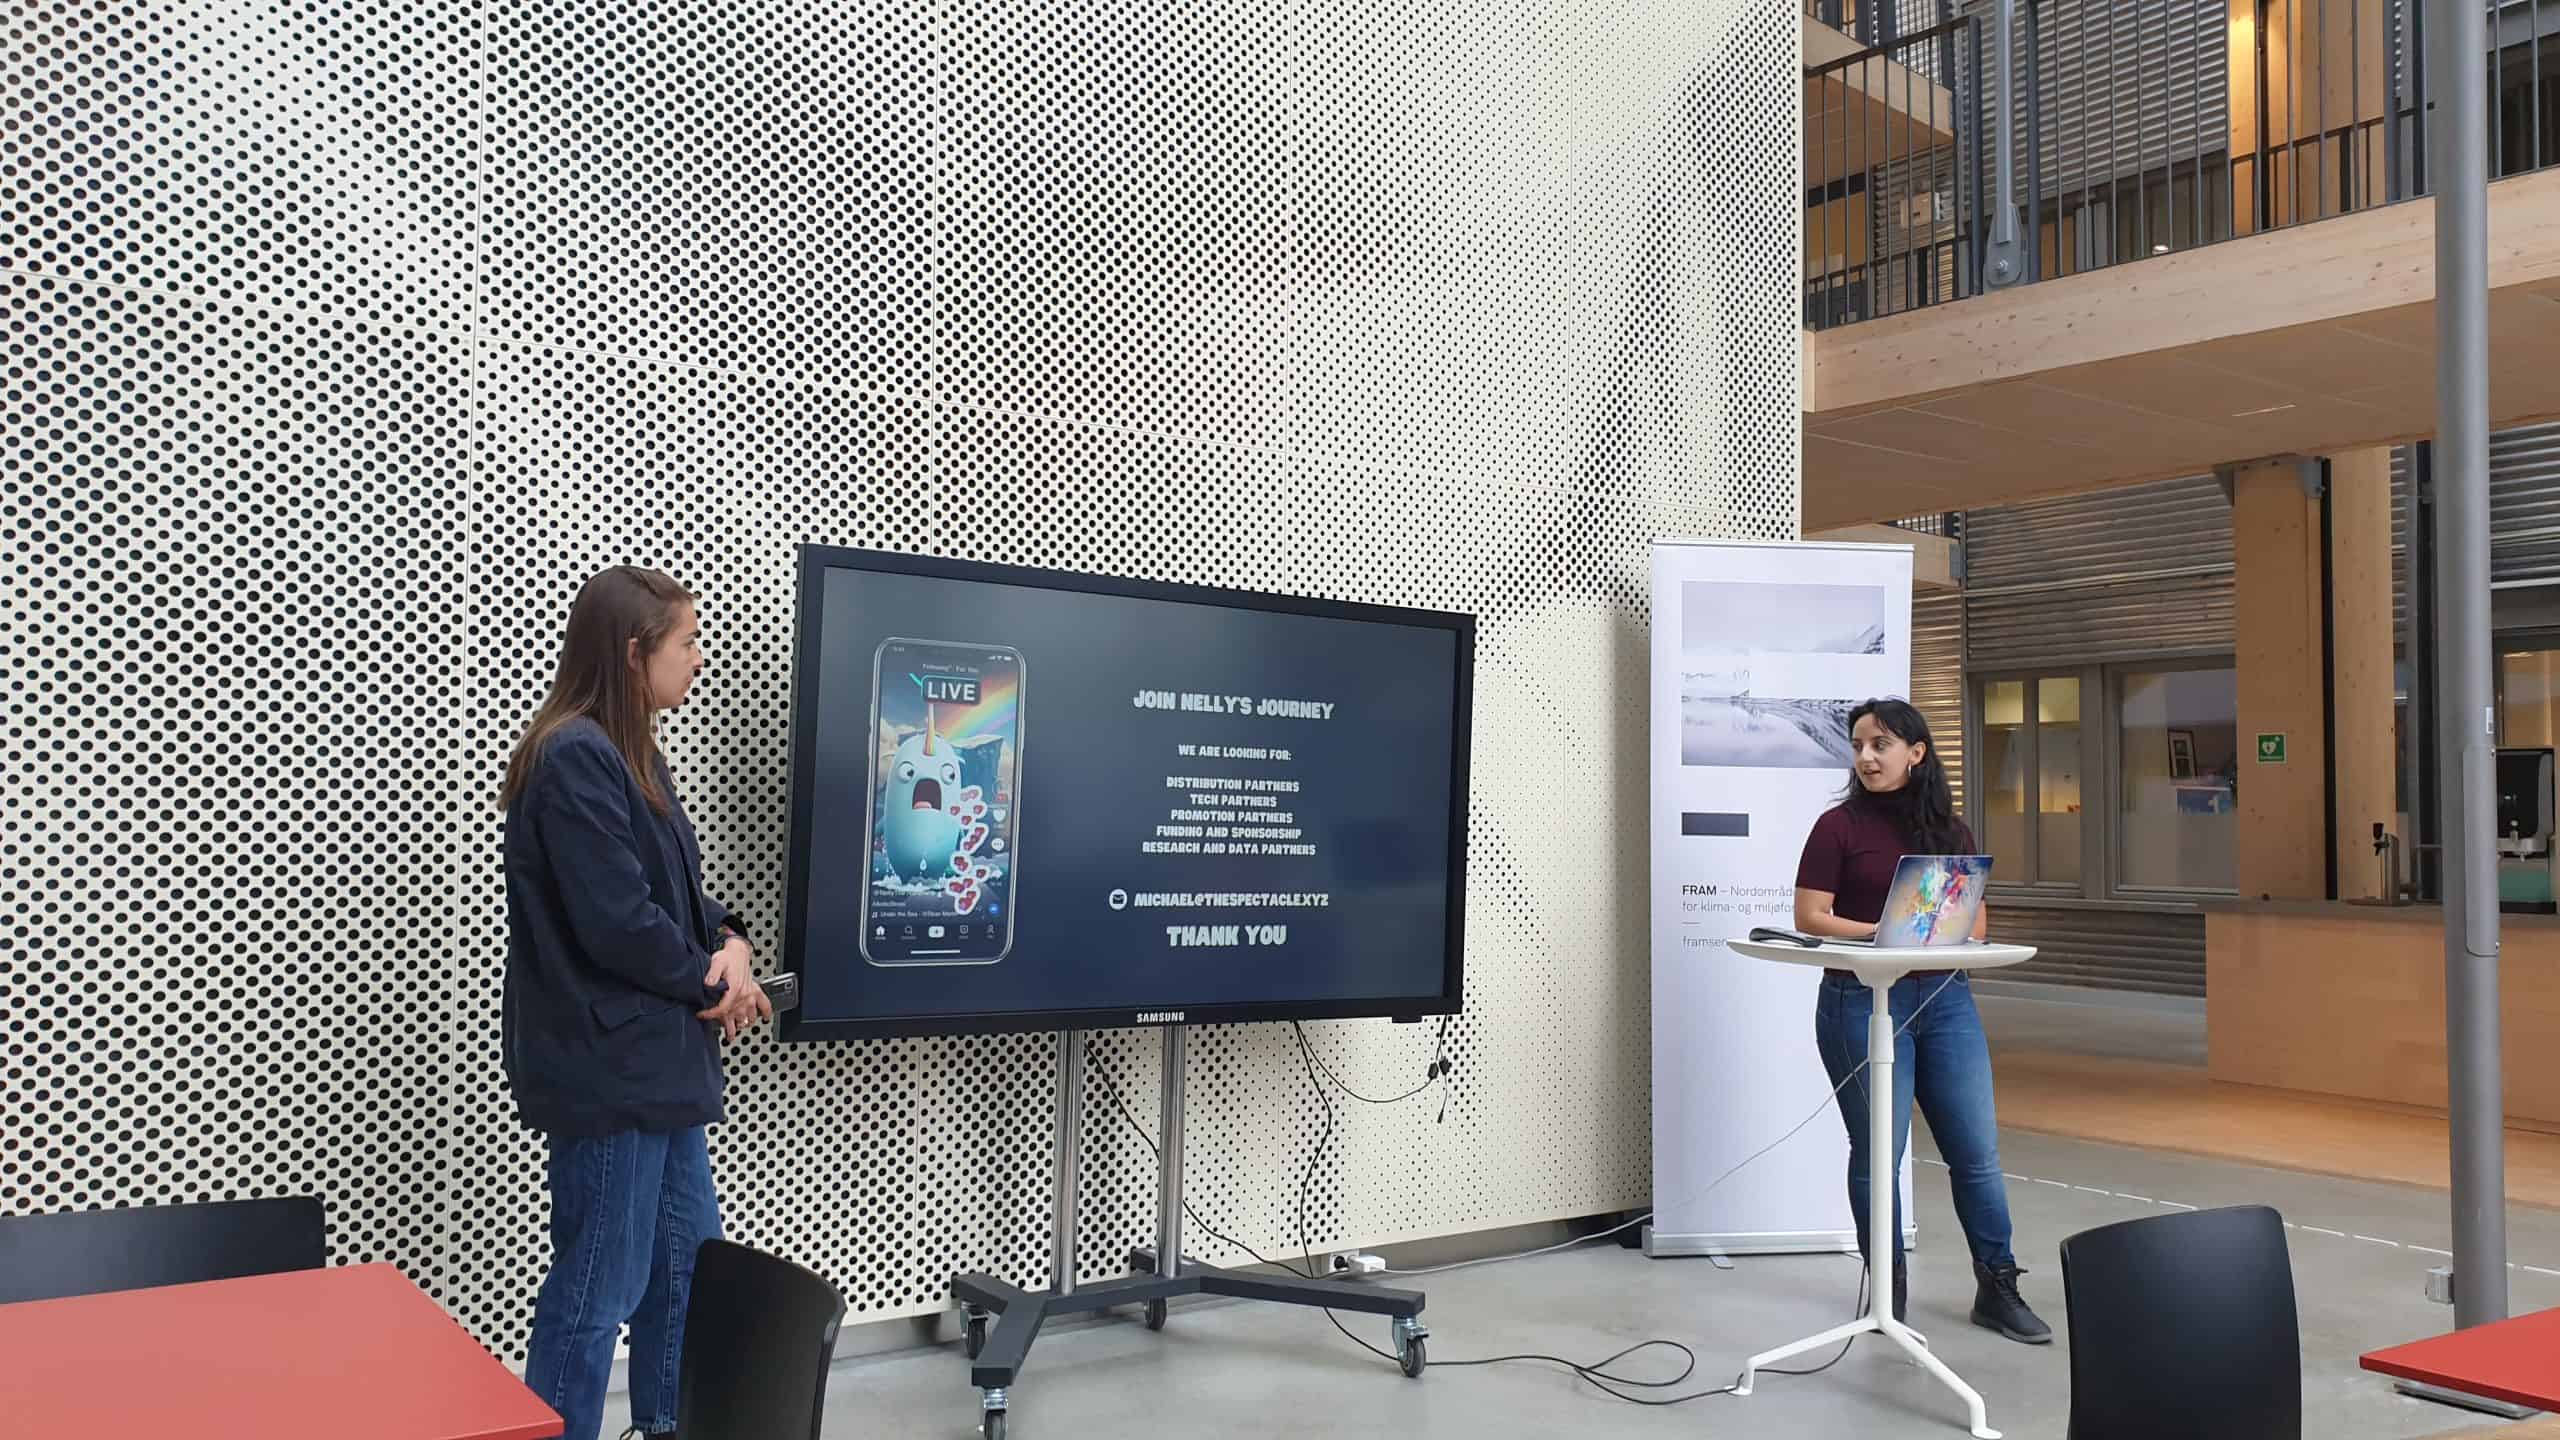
x=1031 y=800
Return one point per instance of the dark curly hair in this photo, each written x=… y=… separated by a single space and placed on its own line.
x=1924 y=809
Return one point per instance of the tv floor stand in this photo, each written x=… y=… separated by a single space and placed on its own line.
x=1002 y=1320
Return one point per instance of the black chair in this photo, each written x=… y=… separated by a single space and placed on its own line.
x=89 y=1252
x=2184 y=1326
x=758 y=1335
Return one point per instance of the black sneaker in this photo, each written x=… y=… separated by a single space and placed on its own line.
x=1997 y=1306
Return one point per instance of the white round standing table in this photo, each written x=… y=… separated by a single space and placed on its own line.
x=1879 y=969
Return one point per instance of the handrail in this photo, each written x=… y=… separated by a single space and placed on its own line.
x=2142 y=134
x=1868 y=55
x=1907 y=205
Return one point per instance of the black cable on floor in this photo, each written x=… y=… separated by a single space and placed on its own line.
x=1597 y=1375
x=1856 y=1072
x=1860 y=1308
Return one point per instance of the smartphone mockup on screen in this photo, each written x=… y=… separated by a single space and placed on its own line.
x=946 y=748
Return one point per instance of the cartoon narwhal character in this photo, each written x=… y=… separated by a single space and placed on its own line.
x=919 y=809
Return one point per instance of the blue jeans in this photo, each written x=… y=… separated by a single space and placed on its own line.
x=628 y=1213
x=1941 y=1061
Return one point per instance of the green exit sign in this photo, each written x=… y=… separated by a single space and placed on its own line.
x=2271 y=749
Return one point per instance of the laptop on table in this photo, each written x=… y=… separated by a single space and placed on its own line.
x=1935 y=900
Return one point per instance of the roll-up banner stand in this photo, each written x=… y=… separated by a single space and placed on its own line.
x=1760 y=651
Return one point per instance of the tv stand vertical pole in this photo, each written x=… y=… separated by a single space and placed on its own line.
x=1062 y=1272
x=1169 y=1168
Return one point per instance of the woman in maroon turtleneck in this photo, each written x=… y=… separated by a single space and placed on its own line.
x=1898 y=804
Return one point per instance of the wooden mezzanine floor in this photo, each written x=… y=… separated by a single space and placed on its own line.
x=2310 y=340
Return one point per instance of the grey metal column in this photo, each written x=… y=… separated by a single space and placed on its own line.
x=2458 y=42
x=1169 y=1159
x=2006 y=261
x=2418 y=652
x=1062 y=1274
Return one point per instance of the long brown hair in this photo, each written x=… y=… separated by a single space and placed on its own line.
x=596 y=680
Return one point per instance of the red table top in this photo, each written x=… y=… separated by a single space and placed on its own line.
x=2514 y=1360
x=299 y=1356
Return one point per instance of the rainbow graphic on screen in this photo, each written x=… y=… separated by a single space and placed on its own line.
x=1934 y=901
x=964 y=725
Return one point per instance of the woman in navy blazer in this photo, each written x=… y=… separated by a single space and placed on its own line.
x=622 y=976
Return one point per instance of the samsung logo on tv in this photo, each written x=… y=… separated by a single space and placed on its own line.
x=1159 y=1017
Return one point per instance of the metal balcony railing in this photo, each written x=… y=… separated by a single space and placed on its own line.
x=1897 y=198
x=2133 y=128
x=1879 y=22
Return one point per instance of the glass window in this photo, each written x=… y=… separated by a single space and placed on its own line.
x=2028 y=812
x=2058 y=771
x=2528 y=685
x=2180 y=758
x=2003 y=774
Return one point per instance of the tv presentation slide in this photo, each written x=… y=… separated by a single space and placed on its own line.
x=1031 y=799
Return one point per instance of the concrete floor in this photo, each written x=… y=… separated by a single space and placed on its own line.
x=2360 y=1251
x=1232 y=1369
x=2112 y=1032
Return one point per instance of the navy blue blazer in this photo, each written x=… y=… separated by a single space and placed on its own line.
x=608 y=936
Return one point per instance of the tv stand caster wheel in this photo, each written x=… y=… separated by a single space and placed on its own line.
x=1411 y=1356
x=1155 y=1314
x=973 y=1333
x=992 y=1426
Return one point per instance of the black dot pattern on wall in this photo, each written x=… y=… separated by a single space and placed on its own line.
x=343 y=344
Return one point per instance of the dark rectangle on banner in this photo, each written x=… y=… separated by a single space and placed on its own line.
x=1736 y=827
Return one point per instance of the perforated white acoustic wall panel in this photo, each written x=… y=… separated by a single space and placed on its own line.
x=344 y=342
